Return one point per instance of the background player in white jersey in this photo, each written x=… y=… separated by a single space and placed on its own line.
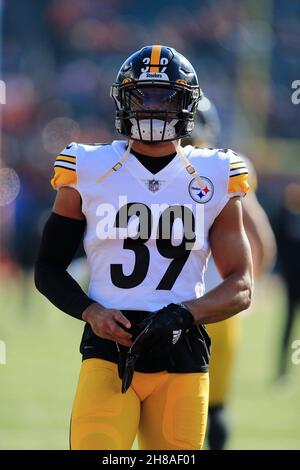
x=225 y=335
x=150 y=212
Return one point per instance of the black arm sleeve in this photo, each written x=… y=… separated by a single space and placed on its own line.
x=60 y=240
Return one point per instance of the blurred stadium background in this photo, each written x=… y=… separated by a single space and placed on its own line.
x=58 y=59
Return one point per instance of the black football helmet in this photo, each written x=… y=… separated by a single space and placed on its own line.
x=207 y=125
x=156 y=95
x=207 y=122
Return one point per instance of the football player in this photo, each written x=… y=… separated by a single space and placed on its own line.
x=150 y=212
x=225 y=334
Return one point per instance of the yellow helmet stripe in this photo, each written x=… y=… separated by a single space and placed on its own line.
x=155 y=58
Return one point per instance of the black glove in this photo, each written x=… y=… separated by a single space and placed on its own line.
x=158 y=332
x=162 y=329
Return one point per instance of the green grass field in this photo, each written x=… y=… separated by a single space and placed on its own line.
x=37 y=383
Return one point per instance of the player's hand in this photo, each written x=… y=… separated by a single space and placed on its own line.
x=106 y=323
x=158 y=332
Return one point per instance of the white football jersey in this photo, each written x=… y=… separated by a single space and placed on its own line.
x=169 y=209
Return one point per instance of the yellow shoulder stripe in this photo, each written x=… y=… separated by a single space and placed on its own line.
x=238 y=184
x=63 y=177
x=65 y=158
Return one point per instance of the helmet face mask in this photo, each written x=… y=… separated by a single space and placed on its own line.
x=158 y=105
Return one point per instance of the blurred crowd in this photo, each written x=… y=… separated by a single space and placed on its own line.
x=59 y=58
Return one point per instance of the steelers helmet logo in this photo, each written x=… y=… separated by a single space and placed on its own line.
x=201 y=195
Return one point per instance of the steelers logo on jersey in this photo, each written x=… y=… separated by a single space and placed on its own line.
x=201 y=195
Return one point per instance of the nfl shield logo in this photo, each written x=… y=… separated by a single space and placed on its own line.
x=153 y=185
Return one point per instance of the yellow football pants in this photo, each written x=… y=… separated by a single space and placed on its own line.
x=224 y=341
x=166 y=411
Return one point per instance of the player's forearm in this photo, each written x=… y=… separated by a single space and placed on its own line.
x=61 y=238
x=61 y=289
x=229 y=298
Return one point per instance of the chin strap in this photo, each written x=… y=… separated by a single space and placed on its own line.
x=189 y=168
x=118 y=165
